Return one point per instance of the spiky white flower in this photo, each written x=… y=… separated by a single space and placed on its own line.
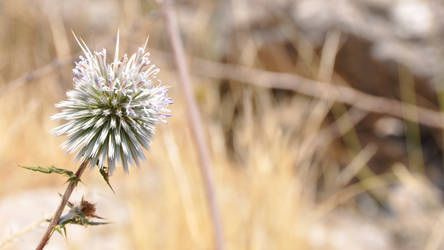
x=112 y=112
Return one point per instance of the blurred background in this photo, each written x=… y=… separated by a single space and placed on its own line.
x=322 y=118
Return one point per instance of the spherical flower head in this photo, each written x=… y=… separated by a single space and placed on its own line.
x=112 y=112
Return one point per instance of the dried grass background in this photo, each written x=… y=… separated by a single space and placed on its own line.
x=290 y=170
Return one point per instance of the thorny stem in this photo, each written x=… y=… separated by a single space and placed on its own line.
x=58 y=213
x=195 y=121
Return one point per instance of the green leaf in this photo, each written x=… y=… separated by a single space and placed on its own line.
x=50 y=170
x=71 y=176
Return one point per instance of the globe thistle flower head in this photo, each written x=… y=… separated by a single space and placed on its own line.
x=113 y=109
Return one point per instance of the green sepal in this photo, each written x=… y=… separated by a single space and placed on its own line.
x=59 y=228
x=81 y=219
x=96 y=223
x=74 y=179
x=105 y=176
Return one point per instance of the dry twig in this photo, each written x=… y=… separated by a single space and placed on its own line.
x=267 y=79
x=194 y=119
x=33 y=75
x=336 y=93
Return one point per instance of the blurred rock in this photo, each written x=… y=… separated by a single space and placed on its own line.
x=416 y=207
x=413 y=19
x=389 y=126
x=347 y=230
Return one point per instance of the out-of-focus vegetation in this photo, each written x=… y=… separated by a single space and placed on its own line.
x=292 y=170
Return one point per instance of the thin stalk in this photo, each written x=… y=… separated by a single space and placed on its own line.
x=197 y=130
x=22 y=232
x=58 y=213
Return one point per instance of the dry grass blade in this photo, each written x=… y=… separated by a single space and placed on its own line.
x=341 y=126
x=183 y=184
x=19 y=123
x=437 y=235
x=356 y=164
x=22 y=232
